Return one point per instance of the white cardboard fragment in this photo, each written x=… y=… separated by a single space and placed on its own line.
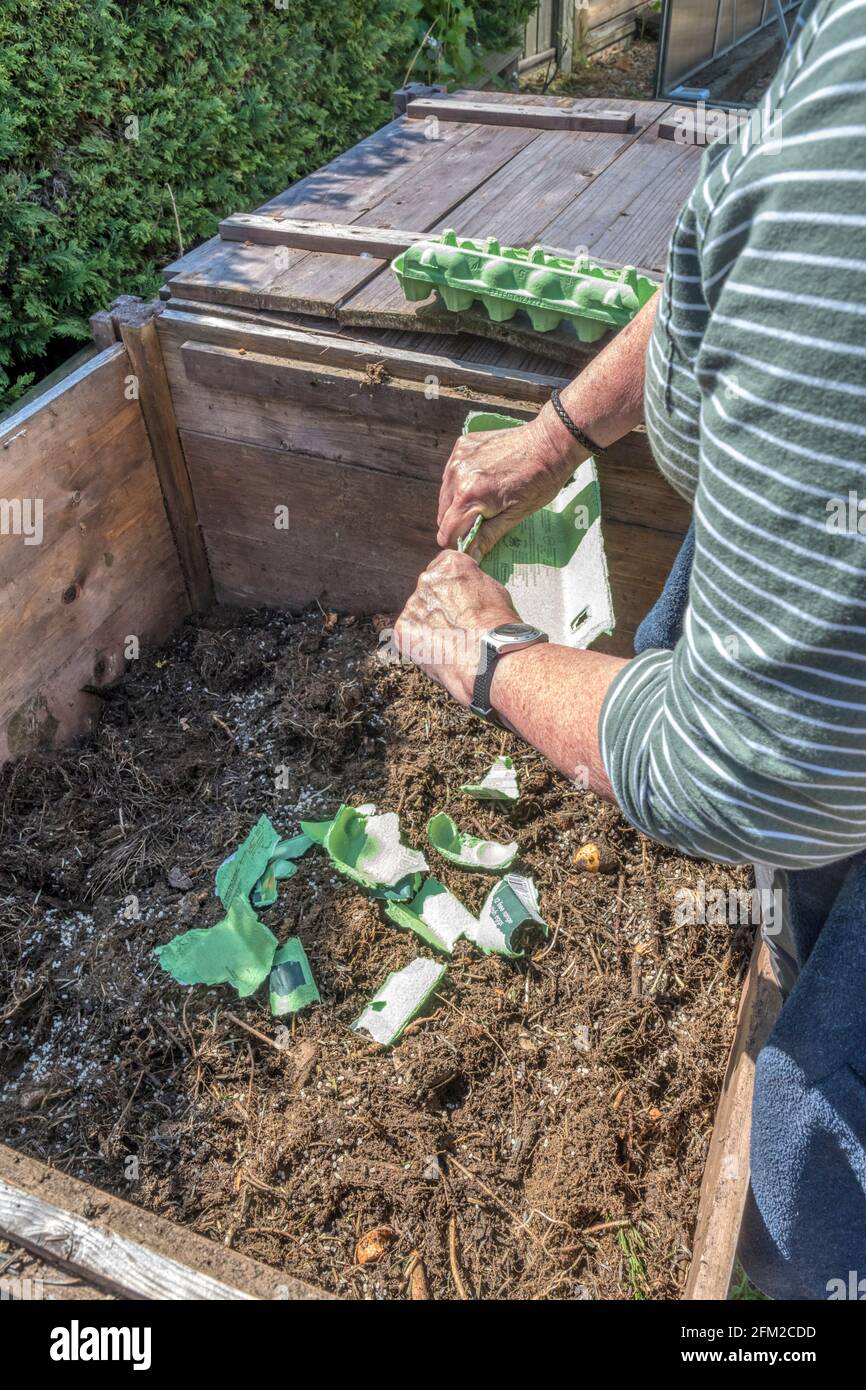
x=435 y=914
x=401 y=997
x=384 y=859
x=499 y=784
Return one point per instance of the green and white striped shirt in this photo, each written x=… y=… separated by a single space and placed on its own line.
x=748 y=741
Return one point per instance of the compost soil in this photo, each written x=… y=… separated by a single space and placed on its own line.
x=539 y=1133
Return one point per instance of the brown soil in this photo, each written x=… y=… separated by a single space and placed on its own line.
x=568 y=1091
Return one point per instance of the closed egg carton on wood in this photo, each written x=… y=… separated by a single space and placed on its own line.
x=551 y=289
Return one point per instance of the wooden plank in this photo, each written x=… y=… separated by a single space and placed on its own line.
x=263 y=278
x=598 y=12
x=359 y=178
x=388 y=445
x=463 y=349
x=357 y=538
x=561 y=345
x=71 y=448
x=602 y=36
x=565 y=116
x=627 y=214
x=66 y=703
x=49 y=609
x=639 y=560
x=102 y=329
x=634 y=491
x=687 y=125
x=106 y=566
x=309 y=283
x=363 y=396
x=66 y=369
x=245 y=577
x=352 y=240
x=123 y=1248
x=140 y=338
x=348 y=186
x=250 y=572
x=483 y=379
x=726 y=1172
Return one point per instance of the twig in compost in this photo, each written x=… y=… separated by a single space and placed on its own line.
x=262 y=1037
x=452 y=1258
x=223 y=725
x=605 y=1226
x=620 y=889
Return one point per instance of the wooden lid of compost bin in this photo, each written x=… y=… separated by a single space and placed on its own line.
x=487 y=164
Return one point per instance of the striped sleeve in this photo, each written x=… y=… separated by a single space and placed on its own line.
x=748 y=741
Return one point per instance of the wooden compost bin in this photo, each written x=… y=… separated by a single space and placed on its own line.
x=284 y=369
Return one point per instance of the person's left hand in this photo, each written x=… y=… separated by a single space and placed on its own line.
x=440 y=628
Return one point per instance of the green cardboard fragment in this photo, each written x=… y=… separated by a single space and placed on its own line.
x=553 y=563
x=401 y=998
x=280 y=866
x=499 y=784
x=238 y=875
x=295 y=847
x=316 y=830
x=435 y=915
x=369 y=850
x=552 y=289
x=400 y=893
x=468 y=850
x=292 y=986
x=509 y=906
x=464 y=544
x=238 y=951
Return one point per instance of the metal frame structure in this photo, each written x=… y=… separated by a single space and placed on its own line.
x=692 y=36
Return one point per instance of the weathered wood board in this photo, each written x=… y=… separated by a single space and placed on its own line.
x=565 y=115
x=726 y=1172
x=105 y=567
x=129 y=1251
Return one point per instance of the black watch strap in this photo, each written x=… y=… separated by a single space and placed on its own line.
x=483 y=681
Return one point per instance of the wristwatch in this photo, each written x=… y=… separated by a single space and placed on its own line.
x=507 y=637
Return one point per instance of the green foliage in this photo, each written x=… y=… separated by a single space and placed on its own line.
x=453 y=35
x=106 y=106
x=111 y=108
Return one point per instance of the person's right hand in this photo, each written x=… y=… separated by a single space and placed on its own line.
x=506 y=475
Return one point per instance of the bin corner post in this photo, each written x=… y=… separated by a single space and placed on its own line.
x=136 y=323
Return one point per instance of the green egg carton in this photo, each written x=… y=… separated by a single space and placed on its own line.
x=552 y=289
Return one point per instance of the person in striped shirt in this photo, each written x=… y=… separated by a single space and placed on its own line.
x=743 y=738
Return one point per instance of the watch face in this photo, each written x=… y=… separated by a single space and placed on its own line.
x=515 y=632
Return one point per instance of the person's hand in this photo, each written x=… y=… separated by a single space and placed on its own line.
x=506 y=475
x=440 y=628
